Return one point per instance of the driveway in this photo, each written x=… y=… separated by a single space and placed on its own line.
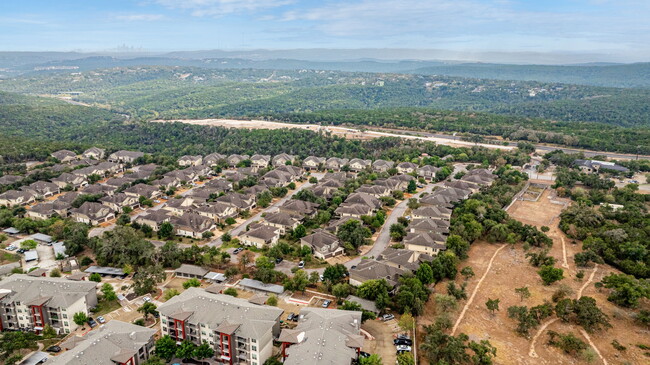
x=257 y=217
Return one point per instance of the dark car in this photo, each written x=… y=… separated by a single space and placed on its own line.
x=403 y=341
x=238 y=250
x=92 y=323
x=278 y=260
x=364 y=354
x=53 y=349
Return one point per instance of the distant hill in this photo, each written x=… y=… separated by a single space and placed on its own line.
x=629 y=75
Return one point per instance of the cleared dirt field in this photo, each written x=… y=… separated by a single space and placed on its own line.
x=510 y=269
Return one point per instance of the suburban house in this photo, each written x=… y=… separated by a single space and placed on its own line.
x=323 y=244
x=66 y=179
x=94 y=153
x=463 y=185
x=433 y=212
x=85 y=172
x=96 y=189
x=178 y=207
x=335 y=163
x=167 y=182
x=593 y=166
x=213 y=159
x=260 y=161
x=334 y=225
x=382 y=165
x=192 y=225
x=109 y=168
x=190 y=160
x=260 y=236
x=148 y=191
x=119 y=201
x=92 y=213
x=429 y=225
x=64 y=155
x=241 y=202
x=234 y=160
x=404 y=259
x=153 y=218
x=427 y=172
x=218 y=211
x=29 y=303
x=363 y=198
x=119 y=182
x=14 y=197
x=324 y=191
x=283 y=222
x=9 y=179
x=47 y=210
x=293 y=171
x=190 y=272
x=125 y=156
x=240 y=332
x=313 y=162
x=377 y=191
x=427 y=242
x=353 y=210
x=43 y=189
x=406 y=167
x=323 y=336
x=115 y=342
x=357 y=164
x=373 y=270
x=300 y=207
x=282 y=159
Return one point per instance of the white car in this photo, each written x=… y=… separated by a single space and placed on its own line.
x=404 y=348
x=146 y=299
x=301 y=264
x=101 y=320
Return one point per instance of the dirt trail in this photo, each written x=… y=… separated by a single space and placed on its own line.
x=593 y=346
x=565 y=264
x=531 y=350
x=478 y=285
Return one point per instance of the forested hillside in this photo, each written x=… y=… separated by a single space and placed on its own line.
x=189 y=92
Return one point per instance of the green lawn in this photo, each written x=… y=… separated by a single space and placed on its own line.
x=106 y=306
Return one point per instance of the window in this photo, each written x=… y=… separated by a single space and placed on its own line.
x=254 y=357
x=254 y=348
x=253 y=340
x=65 y=316
x=65 y=323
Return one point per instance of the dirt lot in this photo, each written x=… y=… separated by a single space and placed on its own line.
x=383 y=332
x=510 y=269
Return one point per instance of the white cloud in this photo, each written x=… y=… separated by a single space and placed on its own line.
x=223 y=7
x=140 y=17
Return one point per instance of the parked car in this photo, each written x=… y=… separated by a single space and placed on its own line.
x=402 y=341
x=11 y=247
x=404 y=336
x=279 y=260
x=403 y=348
x=91 y=322
x=53 y=349
x=301 y=264
x=364 y=354
x=101 y=320
x=290 y=316
x=326 y=303
x=146 y=299
x=321 y=278
x=238 y=250
x=387 y=317
x=21 y=250
x=353 y=267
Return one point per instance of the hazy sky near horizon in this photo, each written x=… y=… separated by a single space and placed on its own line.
x=618 y=28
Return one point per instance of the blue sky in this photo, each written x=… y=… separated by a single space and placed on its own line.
x=619 y=28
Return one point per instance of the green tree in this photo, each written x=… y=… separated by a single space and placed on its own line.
x=95 y=277
x=272 y=301
x=231 y=291
x=406 y=322
x=523 y=292
x=341 y=290
x=147 y=309
x=299 y=281
x=28 y=244
x=626 y=290
x=166 y=230
x=373 y=359
x=335 y=273
x=166 y=347
x=492 y=305
x=412 y=186
x=425 y=274
x=191 y=283
x=170 y=293
x=109 y=292
x=55 y=273
x=48 y=332
x=80 y=318
x=550 y=274
x=467 y=272
x=203 y=351
x=185 y=350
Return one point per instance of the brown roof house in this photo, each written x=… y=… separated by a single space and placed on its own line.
x=234 y=159
x=95 y=153
x=218 y=211
x=372 y=270
x=357 y=164
x=147 y=191
x=241 y=202
x=213 y=159
x=433 y=212
x=119 y=201
x=428 y=172
x=323 y=244
x=300 y=207
x=192 y=225
x=154 y=218
x=403 y=258
x=64 y=155
x=14 y=197
x=65 y=179
x=47 y=210
x=260 y=236
x=335 y=163
x=260 y=161
x=178 y=207
x=313 y=162
x=377 y=191
x=43 y=189
x=284 y=222
x=382 y=165
x=92 y=213
x=190 y=160
x=426 y=242
x=406 y=167
x=282 y=159
x=125 y=156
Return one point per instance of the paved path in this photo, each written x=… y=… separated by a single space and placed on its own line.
x=240 y=228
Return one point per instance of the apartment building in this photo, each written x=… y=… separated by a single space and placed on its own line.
x=30 y=303
x=115 y=342
x=239 y=331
